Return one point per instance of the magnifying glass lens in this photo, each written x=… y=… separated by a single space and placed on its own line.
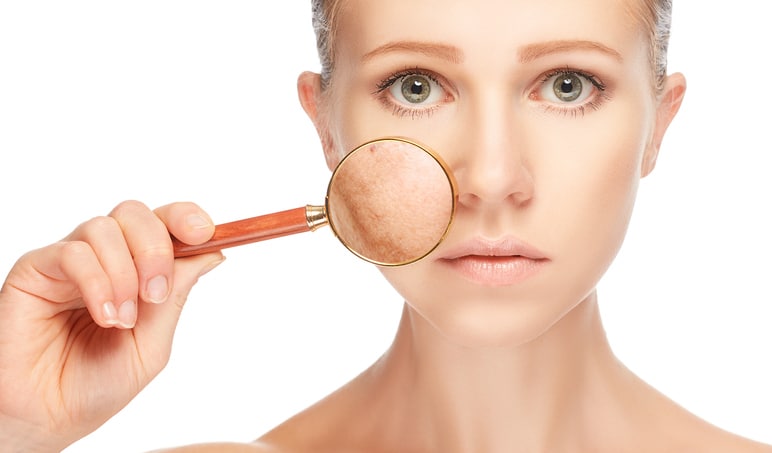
x=390 y=201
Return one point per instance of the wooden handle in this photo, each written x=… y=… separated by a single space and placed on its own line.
x=246 y=231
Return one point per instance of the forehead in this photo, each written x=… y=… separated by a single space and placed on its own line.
x=494 y=26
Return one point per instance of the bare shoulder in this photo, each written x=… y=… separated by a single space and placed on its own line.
x=742 y=445
x=224 y=447
x=717 y=440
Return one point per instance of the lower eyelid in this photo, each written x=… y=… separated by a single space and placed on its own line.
x=592 y=104
x=404 y=111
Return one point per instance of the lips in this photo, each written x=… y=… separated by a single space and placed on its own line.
x=501 y=262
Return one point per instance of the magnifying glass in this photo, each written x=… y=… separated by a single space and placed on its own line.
x=389 y=201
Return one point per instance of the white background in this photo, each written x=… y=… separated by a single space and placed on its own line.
x=166 y=100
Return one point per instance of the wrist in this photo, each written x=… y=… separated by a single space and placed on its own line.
x=15 y=437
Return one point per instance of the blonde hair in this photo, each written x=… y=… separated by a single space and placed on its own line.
x=654 y=14
x=656 y=17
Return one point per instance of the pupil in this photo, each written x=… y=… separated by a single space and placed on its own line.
x=417 y=87
x=567 y=86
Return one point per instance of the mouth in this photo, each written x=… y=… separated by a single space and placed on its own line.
x=502 y=262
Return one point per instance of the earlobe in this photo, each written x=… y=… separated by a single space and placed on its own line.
x=667 y=107
x=310 y=93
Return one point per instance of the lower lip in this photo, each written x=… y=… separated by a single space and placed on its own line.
x=496 y=270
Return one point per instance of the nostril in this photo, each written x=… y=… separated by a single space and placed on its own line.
x=468 y=200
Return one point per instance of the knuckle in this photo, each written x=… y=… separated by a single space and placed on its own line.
x=100 y=224
x=154 y=251
x=93 y=227
x=75 y=249
x=179 y=301
x=129 y=207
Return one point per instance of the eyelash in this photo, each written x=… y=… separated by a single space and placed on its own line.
x=415 y=113
x=401 y=110
x=593 y=103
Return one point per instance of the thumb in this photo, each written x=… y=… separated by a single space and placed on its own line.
x=156 y=323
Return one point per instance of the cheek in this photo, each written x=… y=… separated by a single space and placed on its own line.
x=610 y=180
x=588 y=181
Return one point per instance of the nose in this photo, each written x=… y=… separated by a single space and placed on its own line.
x=491 y=160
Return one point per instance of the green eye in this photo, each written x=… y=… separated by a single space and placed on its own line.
x=567 y=87
x=416 y=89
x=412 y=92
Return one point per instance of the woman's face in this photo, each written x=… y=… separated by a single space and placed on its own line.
x=544 y=112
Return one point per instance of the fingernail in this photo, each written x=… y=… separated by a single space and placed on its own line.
x=211 y=266
x=157 y=289
x=127 y=314
x=110 y=313
x=197 y=222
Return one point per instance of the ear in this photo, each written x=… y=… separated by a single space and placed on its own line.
x=310 y=95
x=667 y=107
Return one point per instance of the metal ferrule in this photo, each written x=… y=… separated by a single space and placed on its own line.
x=316 y=216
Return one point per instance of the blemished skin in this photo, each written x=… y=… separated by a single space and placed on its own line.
x=391 y=202
x=548 y=122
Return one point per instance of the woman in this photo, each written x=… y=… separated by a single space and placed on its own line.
x=547 y=121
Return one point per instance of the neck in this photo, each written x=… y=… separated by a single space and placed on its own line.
x=491 y=399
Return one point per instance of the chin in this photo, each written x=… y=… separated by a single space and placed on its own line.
x=492 y=323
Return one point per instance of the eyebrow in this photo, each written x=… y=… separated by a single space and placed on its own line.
x=534 y=51
x=441 y=51
x=527 y=53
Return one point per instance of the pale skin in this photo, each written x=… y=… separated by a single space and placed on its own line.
x=477 y=364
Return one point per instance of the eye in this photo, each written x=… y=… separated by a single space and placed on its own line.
x=569 y=87
x=414 y=93
x=415 y=89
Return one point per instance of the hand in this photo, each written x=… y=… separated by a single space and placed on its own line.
x=87 y=322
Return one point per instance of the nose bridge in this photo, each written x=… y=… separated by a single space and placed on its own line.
x=492 y=164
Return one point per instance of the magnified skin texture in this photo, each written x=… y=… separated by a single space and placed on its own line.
x=390 y=202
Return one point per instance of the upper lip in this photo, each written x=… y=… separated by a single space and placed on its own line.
x=500 y=247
